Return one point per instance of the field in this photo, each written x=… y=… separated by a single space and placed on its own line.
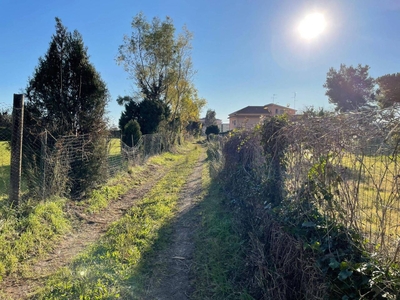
x=364 y=190
x=4 y=169
x=115 y=147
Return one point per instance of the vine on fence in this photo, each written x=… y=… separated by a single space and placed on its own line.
x=330 y=181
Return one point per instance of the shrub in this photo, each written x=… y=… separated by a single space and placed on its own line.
x=212 y=129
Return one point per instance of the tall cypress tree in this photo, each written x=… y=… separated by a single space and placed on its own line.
x=66 y=96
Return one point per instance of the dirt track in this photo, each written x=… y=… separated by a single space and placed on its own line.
x=171 y=267
x=171 y=278
x=87 y=229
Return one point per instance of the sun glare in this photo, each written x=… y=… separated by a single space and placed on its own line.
x=312 y=26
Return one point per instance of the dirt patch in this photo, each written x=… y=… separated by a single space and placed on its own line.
x=87 y=228
x=171 y=267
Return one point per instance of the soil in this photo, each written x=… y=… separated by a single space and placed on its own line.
x=172 y=276
x=171 y=267
x=87 y=228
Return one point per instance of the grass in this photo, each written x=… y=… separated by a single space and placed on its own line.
x=111 y=267
x=124 y=181
x=366 y=190
x=4 y=169
x=115 y=147
x=30 y=234
x=219 y=255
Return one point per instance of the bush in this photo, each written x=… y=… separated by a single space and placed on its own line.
x=295 y=251
x=212 y=129
x=131 y=133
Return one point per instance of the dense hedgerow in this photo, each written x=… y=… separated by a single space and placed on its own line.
x=295 y=251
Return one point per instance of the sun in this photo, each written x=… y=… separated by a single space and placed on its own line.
x=312 y=26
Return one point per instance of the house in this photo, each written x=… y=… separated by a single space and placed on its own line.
x=218 y=122
x=250 y=116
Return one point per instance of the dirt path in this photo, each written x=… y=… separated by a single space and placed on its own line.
x=87 y=229
x=171 y=268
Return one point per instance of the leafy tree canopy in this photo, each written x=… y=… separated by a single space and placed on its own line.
x=389 y=89
x=212 y=129
x=150 y=56
x=194 y=128
x=159 y=62
x=149 y=114
x=210 y=118
x=349 y=88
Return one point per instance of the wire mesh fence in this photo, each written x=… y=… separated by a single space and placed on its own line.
x=5 y=138
x=62 y=165
x=64 y=161
x=349 y=165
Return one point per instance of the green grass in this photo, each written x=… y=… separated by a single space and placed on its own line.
x=124 y=181
x=4 y=169
x=31 y=234
x=111 y=268
x=219 y=255
x=115 y=147
x=366 y=192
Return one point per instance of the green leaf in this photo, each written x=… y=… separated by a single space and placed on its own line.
x=334 y=264
x=308 y=224
x=343 y=275
x=344 y=265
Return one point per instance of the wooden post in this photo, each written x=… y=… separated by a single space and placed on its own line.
x=16 y=148
x=43 y=159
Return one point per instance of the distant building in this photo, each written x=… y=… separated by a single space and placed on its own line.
x=250 y=116
x=217 y=122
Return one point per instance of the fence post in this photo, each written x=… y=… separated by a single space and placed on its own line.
x=43 y=158
x=16 y=148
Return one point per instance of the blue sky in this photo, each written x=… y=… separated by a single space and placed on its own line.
x=244 y=51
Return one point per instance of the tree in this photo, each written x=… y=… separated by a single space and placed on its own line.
x=66 y=96
x=187 y=109
x=160 y=64
x=349 y=88
x=194 y=128
x=5 y=125
x=212 y=129
x=149 y=114
x=210 y=118
x=148 y=55
x=131 y=133
x=389 y=90
x=312 y=112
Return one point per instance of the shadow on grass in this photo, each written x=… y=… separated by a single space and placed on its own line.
x=197 y=255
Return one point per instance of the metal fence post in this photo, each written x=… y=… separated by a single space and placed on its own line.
x=16 y=148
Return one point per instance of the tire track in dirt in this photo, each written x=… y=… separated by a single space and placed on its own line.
x=171 y=267
x=86 y=230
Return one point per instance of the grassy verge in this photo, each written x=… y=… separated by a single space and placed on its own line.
x=29 y=232
x=4 y=169
x=107 y=270
x=124 y=181
x=219 y=251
